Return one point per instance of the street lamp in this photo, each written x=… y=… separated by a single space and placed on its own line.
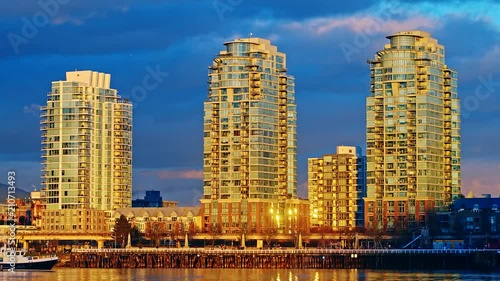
x=295 y=227
x=290 y=221
x=113 y=235
x=272 y=217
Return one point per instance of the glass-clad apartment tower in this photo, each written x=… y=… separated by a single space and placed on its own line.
x=413 y=132
x=249 y=139
x=86 y=145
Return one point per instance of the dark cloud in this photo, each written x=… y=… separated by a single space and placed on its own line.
x=125 y=38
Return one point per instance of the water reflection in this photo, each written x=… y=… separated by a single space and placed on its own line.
x=67 y=274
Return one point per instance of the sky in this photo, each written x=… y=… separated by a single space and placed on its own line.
x=327 y=44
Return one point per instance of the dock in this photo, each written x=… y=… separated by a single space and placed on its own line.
x=405 y=259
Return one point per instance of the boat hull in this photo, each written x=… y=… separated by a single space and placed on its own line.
x=45 y=264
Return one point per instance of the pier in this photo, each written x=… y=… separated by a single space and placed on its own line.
x=470 y=259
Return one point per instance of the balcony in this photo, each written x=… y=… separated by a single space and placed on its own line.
x=253 y=63
x=255 y=92
x=255 y=77
x=423 y=57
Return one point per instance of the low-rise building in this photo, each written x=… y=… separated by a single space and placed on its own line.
x=175 y=219
x=73 y=221
x=336 y=187
x=167 y=203
x=475 y=220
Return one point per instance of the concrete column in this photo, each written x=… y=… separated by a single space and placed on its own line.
x=100 y=244
x=25 y=244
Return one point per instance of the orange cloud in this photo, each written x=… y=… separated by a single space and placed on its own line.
x=480 y=178
x=360 y=24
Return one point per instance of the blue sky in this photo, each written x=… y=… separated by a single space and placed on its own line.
x=39 y=43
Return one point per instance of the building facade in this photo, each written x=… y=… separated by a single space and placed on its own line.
x=249 y=139
x=174 y=220
x=336 y=187
x=86 y=147
x=73 y=221
x=413 y=132
x=36 y=208
x=475 y=221
x=152 y=199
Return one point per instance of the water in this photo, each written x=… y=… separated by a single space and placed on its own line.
x=83 y=274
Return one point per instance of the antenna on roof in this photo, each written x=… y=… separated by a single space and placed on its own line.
x=250 y=34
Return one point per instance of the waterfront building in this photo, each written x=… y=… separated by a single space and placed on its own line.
x=474 y=220
x=86 y=152
x=23 y=211
x=413 y=133
x=174 y=220
x=4 y=214
x=336 y=187
x=36 y=208
x=152 y=199
x=249 y=139
x=169 y=203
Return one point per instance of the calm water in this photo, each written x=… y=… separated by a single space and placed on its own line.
x=67 y=274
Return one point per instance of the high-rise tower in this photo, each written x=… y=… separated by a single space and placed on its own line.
x=86 y=148
x=413 y=132
x=249 y=139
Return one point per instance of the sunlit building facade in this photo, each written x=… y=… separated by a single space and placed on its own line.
x=249 y=139
x=86 y=147
x=413 y=132
x=336 y=187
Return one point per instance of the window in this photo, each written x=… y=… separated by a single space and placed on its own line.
x=401 y=207
x=476 y=208
x=390 y=207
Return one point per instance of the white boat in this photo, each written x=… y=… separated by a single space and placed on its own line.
x=17 y=260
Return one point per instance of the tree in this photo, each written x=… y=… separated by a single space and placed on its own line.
x=215 y=232
x=156 y=230
x=122 y=230
x=135 y=235
x=377 y=234
x=269 y=235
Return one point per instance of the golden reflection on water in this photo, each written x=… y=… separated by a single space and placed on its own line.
x=69 y=274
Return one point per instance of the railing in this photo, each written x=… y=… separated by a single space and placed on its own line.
x=288 y=251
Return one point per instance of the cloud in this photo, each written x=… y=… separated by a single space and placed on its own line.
x=480 y=177
x=126 y=36
x=175 y=174
x=360 y=24
x=81 y=20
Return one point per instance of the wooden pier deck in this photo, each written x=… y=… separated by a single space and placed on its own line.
x=285 y=258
